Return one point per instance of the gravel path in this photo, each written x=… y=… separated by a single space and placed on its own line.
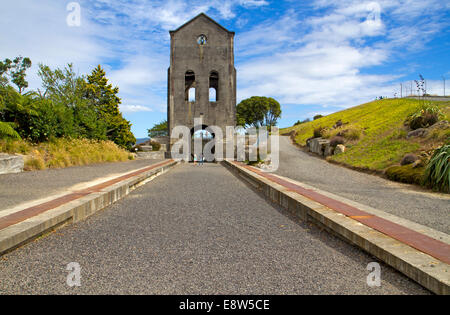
x=27 y=186
x=195 y=230
x=406 y=201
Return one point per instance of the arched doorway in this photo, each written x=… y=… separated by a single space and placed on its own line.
x=202 y=135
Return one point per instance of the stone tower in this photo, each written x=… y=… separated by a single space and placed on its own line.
x=202 y=77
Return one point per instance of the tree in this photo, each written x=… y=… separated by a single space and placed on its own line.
x=159 y=130
x=302 y=122
x=16 y=70
x=7 y=131
x=317 y=117
x=5 y=66
x=18 y=75
x=103 y=97
x=68 y=92
x=258 y=111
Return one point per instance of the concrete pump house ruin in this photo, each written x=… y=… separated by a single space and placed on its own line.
x=202 y=76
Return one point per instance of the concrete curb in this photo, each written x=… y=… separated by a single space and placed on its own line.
x=426 y=270
x=23 y=232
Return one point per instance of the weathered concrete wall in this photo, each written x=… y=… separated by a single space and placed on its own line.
x=217 y=55
x=155 y=155
x=11 y=163
x=320 y=146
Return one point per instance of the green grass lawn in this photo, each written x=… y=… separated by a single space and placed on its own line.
x=379 y=139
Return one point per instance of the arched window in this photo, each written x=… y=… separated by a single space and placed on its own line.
x=191 y=96
x=212 y=95
x=189 y=80
x=214 y=86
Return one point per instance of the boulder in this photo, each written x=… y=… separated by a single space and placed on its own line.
x=340 y=148
x=338 y=124
x=11 y=163
x=421 y=132
x=409 y=159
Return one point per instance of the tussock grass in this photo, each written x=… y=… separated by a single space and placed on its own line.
x=437 y=174
x=63 y=152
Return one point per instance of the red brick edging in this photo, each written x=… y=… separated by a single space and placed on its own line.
x=421 y=242
x=27 y=213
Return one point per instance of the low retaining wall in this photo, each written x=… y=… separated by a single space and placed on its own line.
x=93 y=199
x=428 y=271
x=11 y=164
x=155 y=155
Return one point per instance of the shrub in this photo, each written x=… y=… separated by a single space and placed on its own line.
x=317 y=117
x=302 y=122
x=405 y=174
x=437 y=174
x=349 y=133
x=7 y=131
x=336 y=140
x=353 y=134
x=15 y=146
x=155 y=146
x=427 y=115
x=319 y=132
x=409 y=159
x=64 y=152
x=35 y=162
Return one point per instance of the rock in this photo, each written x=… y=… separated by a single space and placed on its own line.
x=11 y=163
x=417 y=163
x=329 y=150
x=409 y=159
x=338 y=124
x=443 y=124
x=340 y=148
x=318 y=145
x=421 y=132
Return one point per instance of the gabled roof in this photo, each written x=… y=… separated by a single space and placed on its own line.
x=197 y=17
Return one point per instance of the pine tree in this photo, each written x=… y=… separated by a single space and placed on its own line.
x=104 y=99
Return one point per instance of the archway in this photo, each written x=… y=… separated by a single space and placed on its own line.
x=202 y=135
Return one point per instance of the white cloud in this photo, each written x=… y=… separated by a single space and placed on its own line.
x=322 y=59
x=317 y=58
x=256 y=3
x=134 y=108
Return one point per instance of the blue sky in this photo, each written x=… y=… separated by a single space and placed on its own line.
x=314 y=57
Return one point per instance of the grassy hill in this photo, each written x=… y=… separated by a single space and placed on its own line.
x=375 y=133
